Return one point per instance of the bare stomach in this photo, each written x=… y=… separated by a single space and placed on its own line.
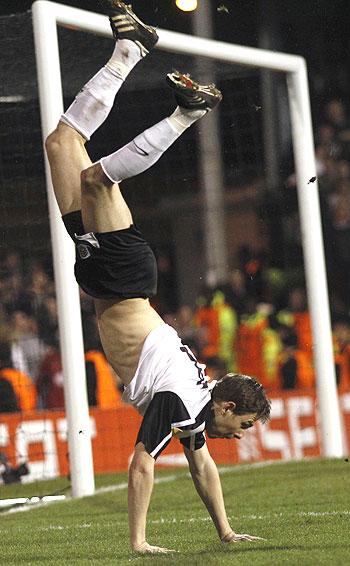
x=124 y=325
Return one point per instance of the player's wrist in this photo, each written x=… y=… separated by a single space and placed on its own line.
x=227 y=537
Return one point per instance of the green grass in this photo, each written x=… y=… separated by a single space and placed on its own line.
x=302 y=509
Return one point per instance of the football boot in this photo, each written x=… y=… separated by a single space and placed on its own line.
x=190 y=94
x=126 y=25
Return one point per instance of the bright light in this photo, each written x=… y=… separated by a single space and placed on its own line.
x=187 y=5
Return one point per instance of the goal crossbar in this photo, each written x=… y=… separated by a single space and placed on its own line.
x=46 y=17
x=171 y=41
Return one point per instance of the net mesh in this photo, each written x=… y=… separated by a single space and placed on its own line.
x=163 y=200
x=23 y=201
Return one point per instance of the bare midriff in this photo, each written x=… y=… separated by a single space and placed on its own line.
x=124 y=325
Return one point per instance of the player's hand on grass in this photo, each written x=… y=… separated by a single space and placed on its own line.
x=145 y=548
x=235 y=537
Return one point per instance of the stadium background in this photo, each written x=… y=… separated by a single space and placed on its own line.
x=257 y=321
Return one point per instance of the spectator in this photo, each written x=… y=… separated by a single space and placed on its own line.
x=258 y=344
x=17 y=391
x=295 y=365
x=40 y=286
x=235 y=291
x=50 y=379
x=47 y=319
x=101 y=381
x=252 y=263
x=12 y=264
x=4 y=326
x=339 y=205
x=336 y=117
x=8 y=399
x=297 y=317
x=341 y=337
x=217 y=324
x=27 y=348
x=14 y=296
x=326 y=138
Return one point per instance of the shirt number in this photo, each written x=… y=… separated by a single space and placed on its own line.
x=202 y=381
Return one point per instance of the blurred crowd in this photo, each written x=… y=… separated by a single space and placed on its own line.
x=333 y=168
x=257 y=322
x=30 y=360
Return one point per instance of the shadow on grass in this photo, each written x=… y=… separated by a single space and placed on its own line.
x=208 y=556
x=211 y=555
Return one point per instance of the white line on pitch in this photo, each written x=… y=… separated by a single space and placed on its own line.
x=174 y=520
x=28 y=505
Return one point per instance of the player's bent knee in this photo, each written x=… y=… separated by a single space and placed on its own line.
x=61 y=138
x=52 y=143
x=143 y=466
x=142 y=462
x=55 y=142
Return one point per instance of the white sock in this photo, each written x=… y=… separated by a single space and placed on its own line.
x=94 y=102
x=125 y=56
x=148 y=147
x=183 y=118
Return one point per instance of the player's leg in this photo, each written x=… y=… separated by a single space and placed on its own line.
x=67 y=156
x=65 y=146
x=102 y=203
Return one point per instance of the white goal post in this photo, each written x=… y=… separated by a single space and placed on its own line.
x=46 y=17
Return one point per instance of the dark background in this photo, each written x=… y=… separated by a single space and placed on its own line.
x=316 y=29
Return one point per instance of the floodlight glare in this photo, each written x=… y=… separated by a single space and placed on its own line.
x=187 y=5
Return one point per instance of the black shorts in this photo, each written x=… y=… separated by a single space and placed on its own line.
x=112 y=265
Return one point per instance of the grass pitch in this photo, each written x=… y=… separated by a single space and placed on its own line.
x=302 y=509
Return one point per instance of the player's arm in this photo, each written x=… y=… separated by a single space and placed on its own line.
x=206 y=479
x=141 y=479
x=207 y=482
x=154 y=435
x=141 y=474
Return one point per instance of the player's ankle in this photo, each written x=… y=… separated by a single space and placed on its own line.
x=183 y=118
x=125 y=56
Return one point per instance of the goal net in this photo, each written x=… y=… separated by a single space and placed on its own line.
x=174 y=201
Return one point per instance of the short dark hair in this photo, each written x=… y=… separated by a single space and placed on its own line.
x=246 y=392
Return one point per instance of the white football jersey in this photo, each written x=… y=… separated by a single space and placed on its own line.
x=172 y=392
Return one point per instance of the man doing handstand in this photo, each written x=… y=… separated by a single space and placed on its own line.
x=116 y=266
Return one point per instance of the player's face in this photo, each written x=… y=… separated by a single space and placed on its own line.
x=224 y=423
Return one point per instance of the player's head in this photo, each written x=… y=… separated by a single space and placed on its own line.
x=238 y=402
